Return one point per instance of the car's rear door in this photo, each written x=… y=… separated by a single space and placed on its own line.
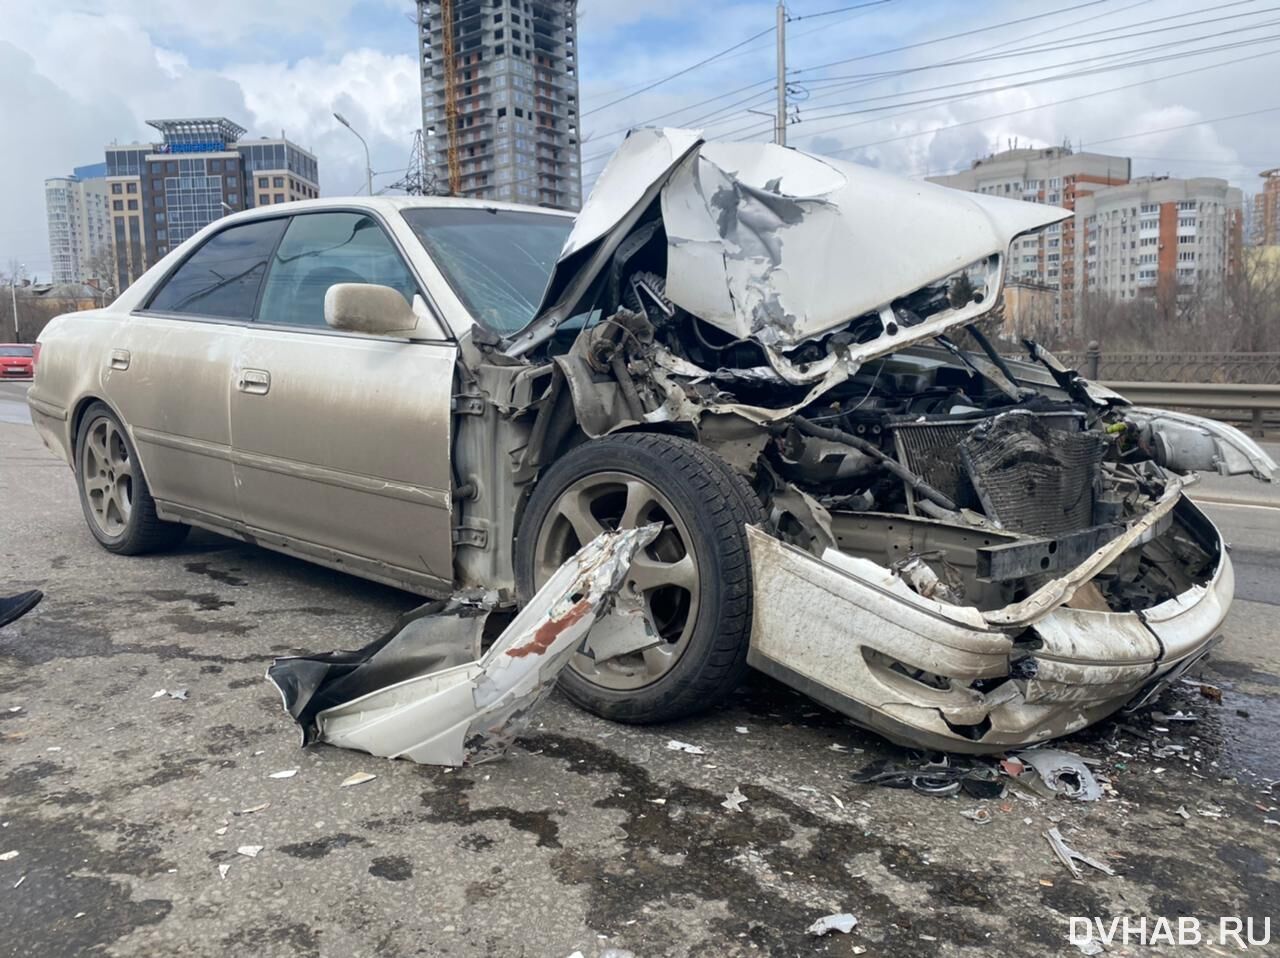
x=342 y=439
x=168 y=368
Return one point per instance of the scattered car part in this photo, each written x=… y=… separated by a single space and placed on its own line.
x=1053 y=772
x=468 y=713
x=1069 y=856
x=842 y=922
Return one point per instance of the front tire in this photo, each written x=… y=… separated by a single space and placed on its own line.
x=695 y=578
x=113 y=491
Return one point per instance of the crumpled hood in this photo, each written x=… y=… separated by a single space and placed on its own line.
x=776 y=244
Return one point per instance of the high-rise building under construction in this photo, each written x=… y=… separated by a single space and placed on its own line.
x=500 y=99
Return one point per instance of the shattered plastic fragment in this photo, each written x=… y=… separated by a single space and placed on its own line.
x=1088 y=946
x=1069 y=856
x=287 y=773
x=180 y=694
x=250 y=851
x=842 y=922
x=980 y=815
x=678 y=746
x=8 y=856
x=734 y=800
x=358 y=778
x=421 y=694
x=1058 y=773
x=258 y=808
x=222 y=871
x=1182 y=812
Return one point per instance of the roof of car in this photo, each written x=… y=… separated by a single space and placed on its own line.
x=389 y=204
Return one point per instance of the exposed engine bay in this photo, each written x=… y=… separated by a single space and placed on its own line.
x=713 y=301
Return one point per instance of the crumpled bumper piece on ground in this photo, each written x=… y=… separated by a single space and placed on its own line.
x=421 y=693
x=927 y=674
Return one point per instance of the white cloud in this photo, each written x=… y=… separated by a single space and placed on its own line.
x=74 y=82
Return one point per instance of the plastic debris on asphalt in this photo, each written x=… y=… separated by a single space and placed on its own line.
x=941 y=775
x=734 y=800
x=1069 y=856
x=357 y=778
x=677 y=746
x=249 y=851
x=1050 y=772
x=287 y=773
x=842 y=922
x=222 y=871
x=255 y=808
x=981 y=815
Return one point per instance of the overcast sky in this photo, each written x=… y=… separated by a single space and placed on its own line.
x=75 y=76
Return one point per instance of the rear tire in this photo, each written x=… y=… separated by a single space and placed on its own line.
x=695 y=578
x=113 y=491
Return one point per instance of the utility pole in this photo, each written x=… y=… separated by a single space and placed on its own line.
x=780 y=124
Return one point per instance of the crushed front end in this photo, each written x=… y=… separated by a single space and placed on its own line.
x=963 y=550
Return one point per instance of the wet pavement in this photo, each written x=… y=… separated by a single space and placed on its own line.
x=123 y=805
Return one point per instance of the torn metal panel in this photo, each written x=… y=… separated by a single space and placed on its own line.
x=920 y=671
x=472 y=712
x=774 y=244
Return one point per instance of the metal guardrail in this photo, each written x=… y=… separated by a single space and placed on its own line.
x=1246 y=368
x=1257 y=399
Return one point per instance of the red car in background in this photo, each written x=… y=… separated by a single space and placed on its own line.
x=17 y=360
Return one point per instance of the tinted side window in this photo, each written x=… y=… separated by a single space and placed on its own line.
x=321 y=249
x=222 y=277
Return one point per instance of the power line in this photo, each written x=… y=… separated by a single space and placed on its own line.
x=1042 y=106
x=1107 y=68
x=1186 y=126
x=680 y=73
x=1006 y=43
x=827 y=13
x=955 y=36
x=1055 y=46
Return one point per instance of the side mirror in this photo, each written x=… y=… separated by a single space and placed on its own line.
x=368 y=308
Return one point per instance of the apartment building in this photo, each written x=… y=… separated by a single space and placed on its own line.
x=77 y=209
x=516 y=85
x=1159 y=236
x=163 y=193
x=1057 y=176
x=1266 y=211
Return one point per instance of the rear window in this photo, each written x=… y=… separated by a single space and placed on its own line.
x=25 y=351
x=497 y=261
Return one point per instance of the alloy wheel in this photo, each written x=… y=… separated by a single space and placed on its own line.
x=664 y=576
x=106 y=475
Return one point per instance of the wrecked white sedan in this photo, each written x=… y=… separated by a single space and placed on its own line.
x=772 y=356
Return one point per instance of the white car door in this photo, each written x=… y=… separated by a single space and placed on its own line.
x=342 y=440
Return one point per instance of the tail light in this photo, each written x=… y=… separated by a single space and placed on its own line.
x=35 y=353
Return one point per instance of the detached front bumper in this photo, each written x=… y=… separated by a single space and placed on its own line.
x=866 y=637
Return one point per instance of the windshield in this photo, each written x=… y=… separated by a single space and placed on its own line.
x=497 y=261
x=15 y=351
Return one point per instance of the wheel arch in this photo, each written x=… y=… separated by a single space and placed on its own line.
x=76 y=417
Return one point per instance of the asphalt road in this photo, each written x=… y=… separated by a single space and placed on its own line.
x=122 y=805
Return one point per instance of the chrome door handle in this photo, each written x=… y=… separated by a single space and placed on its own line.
x=257 y=382
x=120 y=359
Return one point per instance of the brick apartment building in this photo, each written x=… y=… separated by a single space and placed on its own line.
x=1159 y=236
x=1055 y=175
x=1266 y=211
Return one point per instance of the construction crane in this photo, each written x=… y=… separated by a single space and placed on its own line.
x=450 y=98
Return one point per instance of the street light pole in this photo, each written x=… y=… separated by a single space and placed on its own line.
x=13 y=297
x=368 y=163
